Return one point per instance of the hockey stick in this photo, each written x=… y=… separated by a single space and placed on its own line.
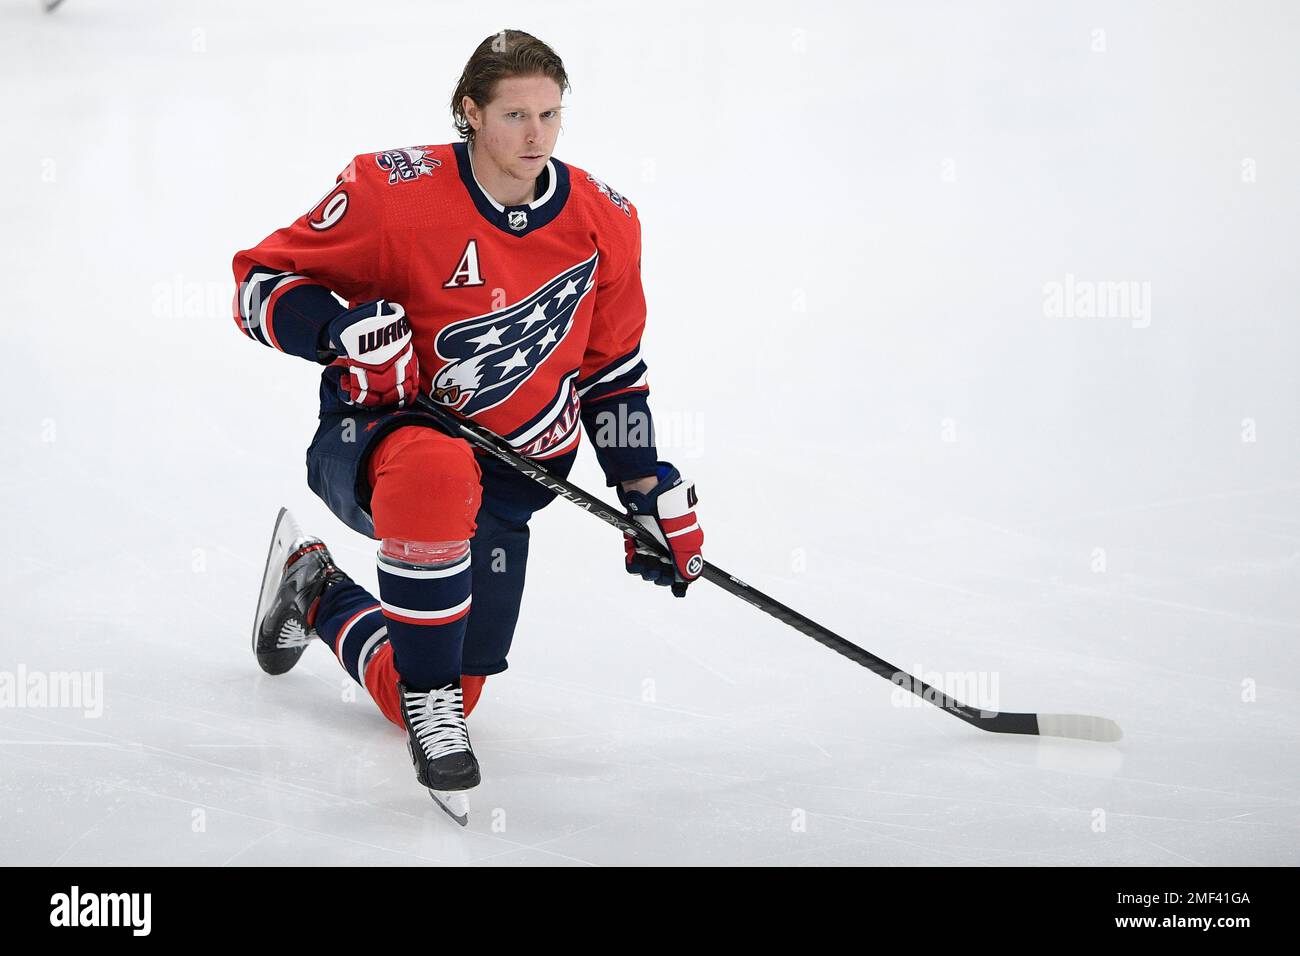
x=1078 y=726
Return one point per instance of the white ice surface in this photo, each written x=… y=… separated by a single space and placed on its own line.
x=849 y=217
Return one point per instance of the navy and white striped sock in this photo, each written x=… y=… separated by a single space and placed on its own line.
x=426 y=607
x=351 y=622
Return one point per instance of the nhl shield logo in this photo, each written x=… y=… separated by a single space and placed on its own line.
x=518 y=219
x=490 y=356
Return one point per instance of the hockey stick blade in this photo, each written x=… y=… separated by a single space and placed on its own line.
x=1074 y=726
x=1079 y=727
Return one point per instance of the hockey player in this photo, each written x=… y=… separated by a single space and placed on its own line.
x=505 y=284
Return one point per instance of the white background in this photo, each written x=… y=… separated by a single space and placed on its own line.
x=850 y=217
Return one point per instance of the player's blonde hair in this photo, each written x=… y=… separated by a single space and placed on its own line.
x=505 y=54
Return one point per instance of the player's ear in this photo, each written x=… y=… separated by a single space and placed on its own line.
x=470 y=109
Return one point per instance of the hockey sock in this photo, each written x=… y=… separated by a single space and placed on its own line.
x=424 y=589
x=350 y=621
x=381 y=681
x=471 y=686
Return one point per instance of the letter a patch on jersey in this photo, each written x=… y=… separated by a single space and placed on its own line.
x=467 y=272
x=490 y=356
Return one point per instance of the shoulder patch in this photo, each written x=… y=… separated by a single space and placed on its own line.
x=407 y=164
x=617 y=198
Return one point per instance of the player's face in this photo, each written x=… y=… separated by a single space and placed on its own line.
x=518 y=128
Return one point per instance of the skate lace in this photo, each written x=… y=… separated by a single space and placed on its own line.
x=292 y=634
x=438 y=719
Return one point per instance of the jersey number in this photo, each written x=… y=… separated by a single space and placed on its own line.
x=329 y=210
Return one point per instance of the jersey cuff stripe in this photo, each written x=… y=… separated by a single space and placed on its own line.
x=614 y=369
x=256 y=300
x=237 y=310
x=640 y=388
x=634 y=376
x=269 y=303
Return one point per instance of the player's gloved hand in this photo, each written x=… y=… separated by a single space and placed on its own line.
x=372 y=344
x=668 y=511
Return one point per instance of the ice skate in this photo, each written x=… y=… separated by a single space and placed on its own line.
x=297 y=570
x=438 y=741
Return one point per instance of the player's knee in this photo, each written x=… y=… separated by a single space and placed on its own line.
x=425 y=487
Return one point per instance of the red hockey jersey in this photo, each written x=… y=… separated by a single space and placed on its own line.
x=520 y=314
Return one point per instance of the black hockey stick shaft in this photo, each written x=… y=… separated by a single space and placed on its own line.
x=994 y=721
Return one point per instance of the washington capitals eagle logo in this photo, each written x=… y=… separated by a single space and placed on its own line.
x=490 y=356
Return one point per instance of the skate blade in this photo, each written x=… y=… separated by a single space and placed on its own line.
x=285 y=534
x=454 y=803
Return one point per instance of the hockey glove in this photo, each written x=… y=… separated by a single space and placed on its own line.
x=668 y=511
x=372 y=344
